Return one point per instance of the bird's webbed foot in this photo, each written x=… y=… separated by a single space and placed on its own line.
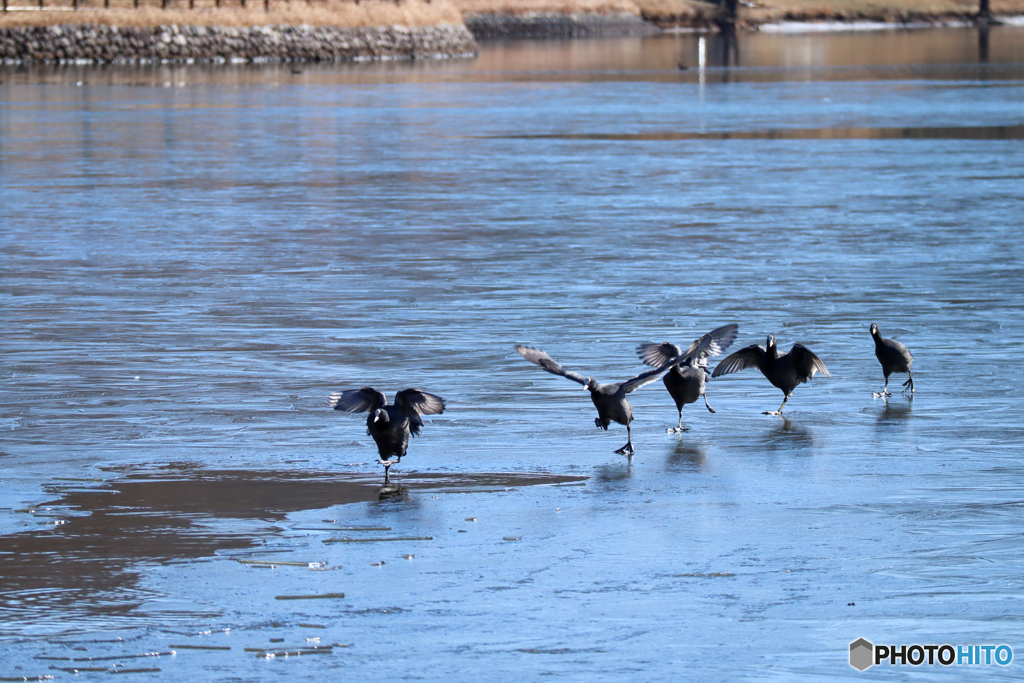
x=909 y=384
x=597 y=421
x=772 y=412
x=627 y=449
x=677 y=430
x=880 y=394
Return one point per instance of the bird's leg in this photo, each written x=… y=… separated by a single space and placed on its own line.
x=628 y=448
x=710 y=409
x=779 y=411
x=679 y=427
x=387 y=467
x=909 y=382
x=883 y=392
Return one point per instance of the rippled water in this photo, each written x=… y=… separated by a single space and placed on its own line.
x=192 y=259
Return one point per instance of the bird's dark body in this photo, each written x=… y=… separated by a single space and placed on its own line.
x=685 y=384
x=894 y=357
x=786 y=371
x=782 y=371
x=612 y=405
x=391 y=435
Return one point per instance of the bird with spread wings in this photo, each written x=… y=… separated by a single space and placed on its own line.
x=785 y=372
x=389 y=425
x=687 y=382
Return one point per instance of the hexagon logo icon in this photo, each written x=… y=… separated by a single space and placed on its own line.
x=862 y=654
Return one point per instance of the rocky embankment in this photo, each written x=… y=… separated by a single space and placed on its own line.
x=548 y=25
x=100 y=44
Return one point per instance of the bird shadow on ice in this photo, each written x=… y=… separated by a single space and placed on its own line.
x=687 y=457
x=895 y=416
x=613 y=473
x=787 y=435
x=896 y=409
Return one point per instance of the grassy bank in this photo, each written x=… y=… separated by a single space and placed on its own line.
x=415 y=13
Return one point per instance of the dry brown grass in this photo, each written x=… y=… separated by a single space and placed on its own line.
x=677 y=9
x=337 y=13
x=548 y=6
x=875 y=10
x=764 y=10
x=412 y=13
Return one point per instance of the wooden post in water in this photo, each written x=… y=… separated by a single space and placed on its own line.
x=727 y=13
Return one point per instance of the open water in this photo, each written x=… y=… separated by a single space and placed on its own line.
x=192 y=258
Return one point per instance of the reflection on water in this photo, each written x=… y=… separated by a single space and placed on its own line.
x=949 y=53
x=896 y=409
x=879 y=133
x=687 y=457
x=614 y=473
x=788 y=435
x=87 y=562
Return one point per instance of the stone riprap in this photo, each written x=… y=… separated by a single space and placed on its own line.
x=544 y=25
x=99 y=44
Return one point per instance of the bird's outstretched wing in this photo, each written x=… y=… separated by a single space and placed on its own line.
x=643 y=378
x=657 y=355
x=548 y=363
x=714 y=343
x=749 y=357
x=357 y=400
x=806 y=363
x=412 y=403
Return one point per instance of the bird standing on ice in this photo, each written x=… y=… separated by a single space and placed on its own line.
x=389 y=425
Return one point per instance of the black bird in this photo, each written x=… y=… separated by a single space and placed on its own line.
x=894 y=357
x=389 y=425
x=786 y=371
x=609 y=399
x=686 y=381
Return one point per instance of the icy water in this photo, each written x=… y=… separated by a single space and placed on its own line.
x=193 y=258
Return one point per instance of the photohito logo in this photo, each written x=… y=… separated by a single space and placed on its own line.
x=863 y=654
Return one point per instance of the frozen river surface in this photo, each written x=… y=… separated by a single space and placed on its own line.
x=191 y=259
